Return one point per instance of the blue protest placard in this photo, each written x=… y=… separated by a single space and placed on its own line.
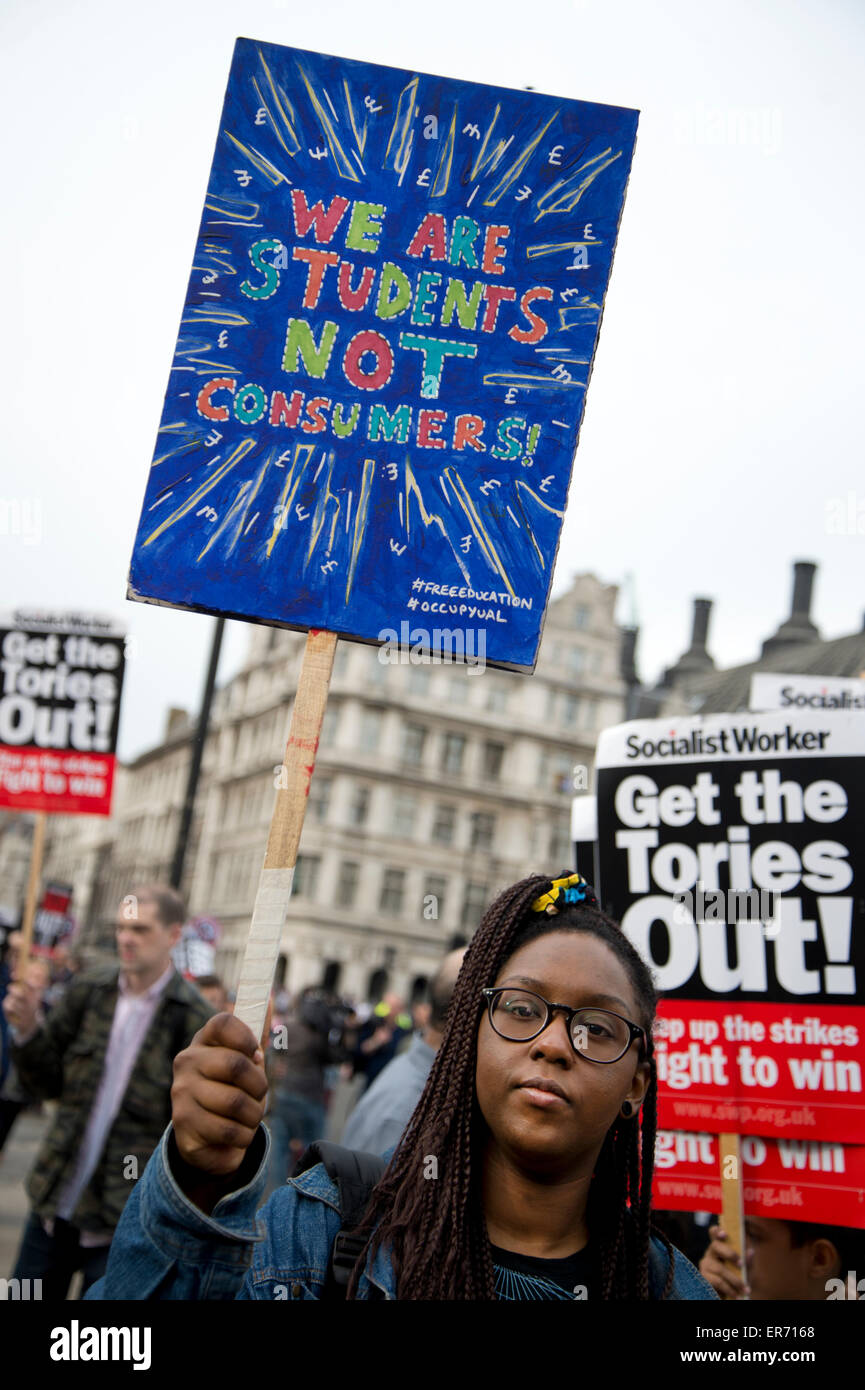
x=383 y=356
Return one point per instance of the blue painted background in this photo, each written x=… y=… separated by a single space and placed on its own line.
x=268 y=522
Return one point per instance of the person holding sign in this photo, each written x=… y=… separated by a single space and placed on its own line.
x=525 y=1171
x=788 y=1261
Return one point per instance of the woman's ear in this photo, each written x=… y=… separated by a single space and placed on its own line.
x=638 y=1087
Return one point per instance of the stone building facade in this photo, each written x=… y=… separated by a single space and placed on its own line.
x=435 y=786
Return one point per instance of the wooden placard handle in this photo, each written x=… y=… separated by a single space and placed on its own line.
x=36 y=852
x=274 y=884
x=732 y=1215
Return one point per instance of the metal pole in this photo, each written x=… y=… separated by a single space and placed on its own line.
x=197 y=752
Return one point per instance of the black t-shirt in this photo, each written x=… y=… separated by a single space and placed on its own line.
x=525 y=1277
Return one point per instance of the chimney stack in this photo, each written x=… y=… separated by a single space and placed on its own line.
x=798 y=628
x=696 y=661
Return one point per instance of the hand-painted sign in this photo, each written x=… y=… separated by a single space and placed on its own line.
x=730 y=849
x=60 y=681
x=383 y=357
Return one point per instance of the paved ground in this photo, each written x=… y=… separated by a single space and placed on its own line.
x=16 y=1160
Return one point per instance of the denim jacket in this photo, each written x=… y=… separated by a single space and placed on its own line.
x=165 y=1248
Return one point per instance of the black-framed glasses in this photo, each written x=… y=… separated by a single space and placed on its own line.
x=599 y=1035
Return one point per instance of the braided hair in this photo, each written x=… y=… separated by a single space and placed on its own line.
x=436 y=1231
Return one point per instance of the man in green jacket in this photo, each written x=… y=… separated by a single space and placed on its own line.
x=106 y=1054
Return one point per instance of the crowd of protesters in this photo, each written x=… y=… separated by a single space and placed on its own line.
x=99 y=1046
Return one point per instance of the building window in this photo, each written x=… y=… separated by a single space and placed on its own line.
x=493 y=757
x=403 y=812
x=359 y=808
x=375 y=668
x=329 y=725
x=370 y=729
x=434 y=895
x=418 y=680
x=582 y=614
x=577 y=663
x=306 y=875
x=346 y=884
x=376 y=985
x=319 y=797
x=497 y=698
x=452 y=753
x=444 y=824
x=570 y=709
x=556 y=772
x=392 y=890
x=483 y=828
x=330 y=976
x=413 y=740
x=474 y=905
x=561 y=848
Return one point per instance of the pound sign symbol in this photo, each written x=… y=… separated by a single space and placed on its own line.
x=556 y=154
x=222 y=340
x=523 y=193
x=243 y=177
x=369 y=103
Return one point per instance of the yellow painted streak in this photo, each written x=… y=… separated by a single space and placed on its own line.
x=286 y=500
x=477 y=526
x=411 y=487
x=226 y=467
x=480 y=164
x=517 y=167
x=446 y=161
x=524 y=485
x=189 y=444
x=242 y=502
x=527 y=382
x=359 y=522
x=263 y=165
x=235 y=506
x=282 y=116
x=566 y=314
x=273 y=124
x=320 y=514
x=330 y=135
x=569 y=201
x=402 y=153
x=215 y=315
x=213 y=200
x=226 y=265
x=360 y=139
x=406 y=119
x=547 y=248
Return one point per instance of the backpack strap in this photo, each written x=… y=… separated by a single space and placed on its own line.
x=355 y=1175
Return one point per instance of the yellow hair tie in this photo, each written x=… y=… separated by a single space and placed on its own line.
x=570 y=886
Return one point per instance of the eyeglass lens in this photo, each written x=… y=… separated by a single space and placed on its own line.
x=518 y=1014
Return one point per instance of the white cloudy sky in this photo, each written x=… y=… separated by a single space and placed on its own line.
x=720 y=422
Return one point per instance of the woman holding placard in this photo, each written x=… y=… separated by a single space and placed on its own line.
x=525 y=1171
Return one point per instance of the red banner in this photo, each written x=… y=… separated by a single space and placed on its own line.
x=793 y=1070
x=34 y=779
x=790 y=1179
